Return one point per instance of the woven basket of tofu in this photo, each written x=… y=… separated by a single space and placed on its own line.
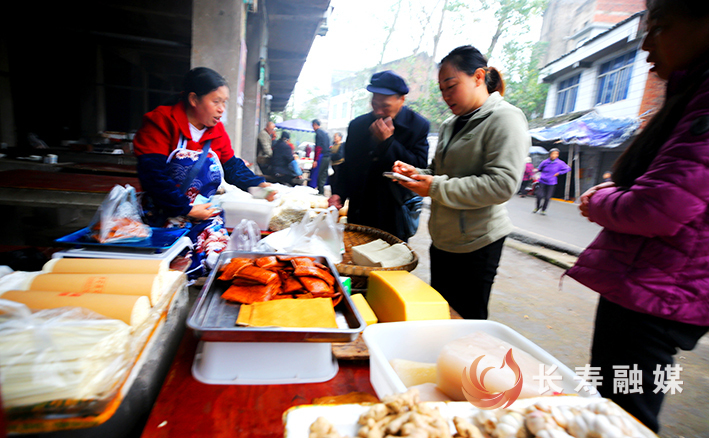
x=356 y=235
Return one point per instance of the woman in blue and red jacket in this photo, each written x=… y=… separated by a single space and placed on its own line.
x=170 y=143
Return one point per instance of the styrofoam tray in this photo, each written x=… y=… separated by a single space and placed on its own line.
x=344 y=417
x=422 y=341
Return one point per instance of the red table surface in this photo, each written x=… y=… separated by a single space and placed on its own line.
x=186 y=407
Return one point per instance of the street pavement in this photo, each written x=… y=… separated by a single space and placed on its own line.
x=530 y=296
x=562 y=227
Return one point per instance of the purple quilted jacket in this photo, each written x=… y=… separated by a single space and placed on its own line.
x=653 y=254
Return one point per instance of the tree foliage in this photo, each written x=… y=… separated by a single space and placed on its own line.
x=431 y=106
x=512 y=16
x=524 y=89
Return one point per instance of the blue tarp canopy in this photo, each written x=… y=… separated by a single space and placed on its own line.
x=591 y=129
x=296 y=125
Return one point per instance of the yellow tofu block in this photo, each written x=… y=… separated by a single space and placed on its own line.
x=401 y=296
x=364 y=309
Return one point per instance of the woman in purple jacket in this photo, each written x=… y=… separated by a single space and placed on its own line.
x=650 y=263
x=549 y=169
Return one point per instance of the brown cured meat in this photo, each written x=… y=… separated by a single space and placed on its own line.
x=254 y=273
x=233 y=267
x=316 y=286
x=244 y=282
x=278 y=277
x=302 y=262
x=251 y=294
x=271 y=263
x=284 y=258
x=291 y=285
x=302 y=271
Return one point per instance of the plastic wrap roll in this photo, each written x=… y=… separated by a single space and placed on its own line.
x=131 y=309
x=149 y=285
x=104 y=266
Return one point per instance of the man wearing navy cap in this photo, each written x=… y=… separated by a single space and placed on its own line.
x=390 y=132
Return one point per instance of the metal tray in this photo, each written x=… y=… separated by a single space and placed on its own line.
x=214 y=319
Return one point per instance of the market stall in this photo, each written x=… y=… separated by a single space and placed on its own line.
x=304 y=323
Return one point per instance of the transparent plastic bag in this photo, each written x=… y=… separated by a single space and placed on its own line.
x=66 y=354
x=317 y=234
x=244 y=237
x=118 y=218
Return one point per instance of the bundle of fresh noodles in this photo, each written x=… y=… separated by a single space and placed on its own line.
x=67 y=354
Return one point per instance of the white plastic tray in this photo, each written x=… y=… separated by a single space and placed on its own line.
x=344 y=417
x=422 y=341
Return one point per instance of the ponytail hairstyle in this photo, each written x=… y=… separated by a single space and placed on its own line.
x=636 y=159
x=468 y=59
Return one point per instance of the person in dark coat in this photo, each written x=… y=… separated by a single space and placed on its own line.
x=282 y=162
x=375 y=140
x=321 y=161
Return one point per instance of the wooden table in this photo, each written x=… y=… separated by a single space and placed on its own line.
x=186 y=407
x=40 y=188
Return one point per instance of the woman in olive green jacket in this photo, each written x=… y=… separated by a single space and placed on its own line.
x=477 y=167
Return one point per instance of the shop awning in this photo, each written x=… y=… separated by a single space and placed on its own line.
x=296 y=125
x=591 y=129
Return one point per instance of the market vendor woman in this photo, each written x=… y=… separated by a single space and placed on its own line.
x=178 y=177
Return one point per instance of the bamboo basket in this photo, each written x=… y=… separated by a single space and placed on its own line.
x=358 y=235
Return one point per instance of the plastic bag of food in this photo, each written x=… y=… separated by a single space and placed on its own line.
x=118 y=218
x=316 y=234
x=244 y=237
x=60 y=361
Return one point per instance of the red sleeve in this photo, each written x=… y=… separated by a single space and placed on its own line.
x=158 y=135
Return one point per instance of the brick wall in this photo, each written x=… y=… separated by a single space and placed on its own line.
x=653 y=97
x=614 y=11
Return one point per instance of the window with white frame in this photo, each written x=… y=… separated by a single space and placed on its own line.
x=614 y=79
x=344 y=110
x=566 y=96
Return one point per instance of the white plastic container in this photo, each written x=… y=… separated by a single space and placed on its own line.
x=422 y=341
x=264 y=363
x=257 y=210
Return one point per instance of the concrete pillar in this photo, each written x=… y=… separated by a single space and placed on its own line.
x=218 y=30
x=255 y=113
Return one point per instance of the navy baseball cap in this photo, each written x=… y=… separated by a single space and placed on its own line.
x=387 y=82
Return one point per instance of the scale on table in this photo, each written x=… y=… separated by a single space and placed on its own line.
x=231 y=355
x=163 y=244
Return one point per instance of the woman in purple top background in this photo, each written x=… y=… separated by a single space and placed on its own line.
x=549 y=169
